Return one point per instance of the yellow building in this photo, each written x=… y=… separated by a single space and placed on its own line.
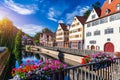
x=76 y=33
x=62 y=35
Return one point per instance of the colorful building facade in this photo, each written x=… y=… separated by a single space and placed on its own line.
x=76 y=33
x=47 y=39
x=102 y=28
x=62 y=36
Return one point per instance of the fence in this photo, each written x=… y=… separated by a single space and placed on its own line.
x=106 y=70
x=72 y=51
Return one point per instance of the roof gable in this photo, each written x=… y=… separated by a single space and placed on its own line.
x=81 y=19
x=63 y=26
x=95 y=13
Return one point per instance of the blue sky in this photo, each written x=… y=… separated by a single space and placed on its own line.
x=33 y=15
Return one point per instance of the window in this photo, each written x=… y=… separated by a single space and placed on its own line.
x=97 y=47
x=79 y=29
x=107 y=11
x=73 y=25
x=88 y=34
x=88 y=47
x=77 y=24
x=97 y=32
x=115 y=17
x=92 y=42
x=93 y=16
x=104 y=20
x=95 y=22
x=74 y=19
x=112 y=18
x=76 y=36
x=109 y=31
x=118 y=7
x=88 y=24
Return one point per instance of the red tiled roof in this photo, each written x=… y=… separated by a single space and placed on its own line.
x=64 y=27
x=81 y=19
x=111 y=6
x=98 y=11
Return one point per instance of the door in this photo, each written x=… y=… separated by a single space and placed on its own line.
x=109 y=47
x=92 y=47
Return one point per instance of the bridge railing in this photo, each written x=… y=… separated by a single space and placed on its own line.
x=106 y=70
x=73 y=51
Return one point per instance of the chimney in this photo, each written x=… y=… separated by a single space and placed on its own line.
x=110 y=1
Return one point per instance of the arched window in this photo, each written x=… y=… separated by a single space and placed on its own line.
x=118 y=7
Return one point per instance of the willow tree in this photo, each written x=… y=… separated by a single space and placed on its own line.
x=18 y=46
x=7 y=33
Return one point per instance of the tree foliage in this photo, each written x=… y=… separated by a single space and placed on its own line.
x=18 y=46
x=7 y=33
x=96 y=5
x=87 y=13
x=36 y=38
x=45 y=30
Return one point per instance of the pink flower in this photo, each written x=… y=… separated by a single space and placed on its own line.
x=41 y=61
x=27 y=61
x=45 y=68
x=64 y=65
x=33 y=61
x=46 y=61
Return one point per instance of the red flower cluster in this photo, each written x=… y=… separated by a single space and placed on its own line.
x=86 y=59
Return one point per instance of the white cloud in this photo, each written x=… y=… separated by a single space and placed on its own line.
x=31 y=29
x=19 y=8
x=51 y=15
x=78 y=11
x=60 y=21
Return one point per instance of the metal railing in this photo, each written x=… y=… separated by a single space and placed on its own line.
x=73 y=51
x=105 y=70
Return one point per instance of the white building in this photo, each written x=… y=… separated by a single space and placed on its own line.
x=76 y=34
x=102 y=28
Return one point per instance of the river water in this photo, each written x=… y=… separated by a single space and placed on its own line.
x=28 y=57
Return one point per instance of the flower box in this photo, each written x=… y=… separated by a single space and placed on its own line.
x=41 y=70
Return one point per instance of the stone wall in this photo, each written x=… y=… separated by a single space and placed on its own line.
x=4 y=57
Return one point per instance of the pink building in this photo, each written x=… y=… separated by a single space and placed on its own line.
x=47 y=39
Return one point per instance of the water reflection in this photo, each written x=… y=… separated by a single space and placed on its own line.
x=32 y=58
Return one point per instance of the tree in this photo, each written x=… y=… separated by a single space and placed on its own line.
x=7 y=33
x=96 y=5
x=45 y=30
x=36 y=38
x=87 y=13
x=18 y=46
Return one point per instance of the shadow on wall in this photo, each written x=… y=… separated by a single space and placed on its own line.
x=60 y=56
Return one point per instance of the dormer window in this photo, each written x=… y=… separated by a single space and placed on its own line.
x=118 y=7
x=107 y=11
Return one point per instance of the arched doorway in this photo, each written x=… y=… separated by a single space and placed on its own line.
x=109 y=47
x=92 y=47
